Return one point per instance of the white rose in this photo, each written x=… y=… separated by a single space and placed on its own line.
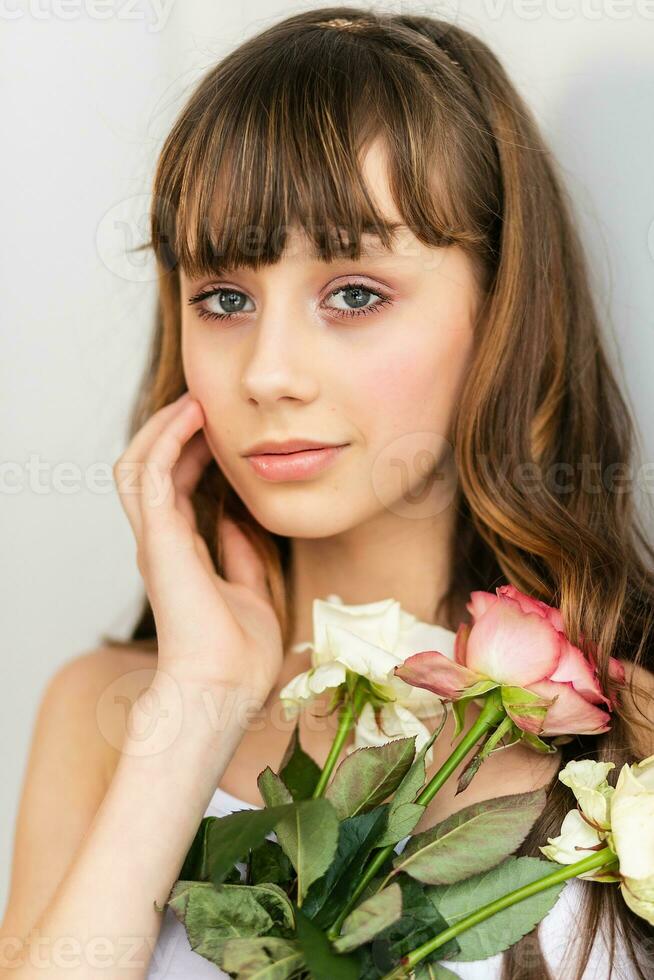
x=632 y=819
x=587 y=780
x=623 y=817
x=632 y=835
x=370 y=640
x=576 y=841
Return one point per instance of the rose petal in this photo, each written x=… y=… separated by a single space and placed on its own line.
x=415 y=635
x=376 y=622
x=512 y=647
x=616 y=671
x=436 y=672
x=587 y=780
x=530 y=604
x=460 y=643
x=639 y=896
x=305 y=686
x=421 y=702
x=576 y=838
x=480 y=602
x=570 y=714
x=358 y=655
x=632 y=826
x=573 y=668
x=643 y=772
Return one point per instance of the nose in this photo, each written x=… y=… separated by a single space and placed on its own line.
x=281 y=361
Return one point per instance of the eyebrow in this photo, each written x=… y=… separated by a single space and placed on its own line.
x=376 y=245
x=370 y=245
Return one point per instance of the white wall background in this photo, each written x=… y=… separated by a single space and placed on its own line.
x=88 y=92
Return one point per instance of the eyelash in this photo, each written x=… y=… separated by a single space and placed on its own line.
x=206 y=314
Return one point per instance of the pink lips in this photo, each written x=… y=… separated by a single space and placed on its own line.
x=293 y=466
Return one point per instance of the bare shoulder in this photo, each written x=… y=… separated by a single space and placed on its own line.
x=639 y=679
x=111 y=678
x=75 y=742
x=87 y=700
x=637 y=698
x=89 y=697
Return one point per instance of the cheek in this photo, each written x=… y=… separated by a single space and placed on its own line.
x=414 y=387
x=408 y=402
x=210 y=383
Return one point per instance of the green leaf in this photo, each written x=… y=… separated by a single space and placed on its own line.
x=273 y=789
x=502 y=929
x=519 y=702
x=265 y=958
x=195 y=866
x=368 y=775
x=471 y=840
x=506 y=730
x=402 y=813
x=269 y=863
x=297 y=769
x=320 y=957
x=538 y=744
x=415 y=926
x=369 y=918
x=377 y=882
x=212 y=914
x=309 y=836
x=401 y=821
x=434 y=971
x=274 y=900
x=229 y=838
x=459 y=712
x=479 y=689
x=357 y=836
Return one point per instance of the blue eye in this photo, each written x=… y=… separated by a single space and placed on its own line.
x=235 y=300
x=359 y=294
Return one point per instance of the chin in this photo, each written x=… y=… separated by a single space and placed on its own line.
x=303 y=510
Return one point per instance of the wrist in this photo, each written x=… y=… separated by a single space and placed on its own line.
x=177 y=710
x=193 y=677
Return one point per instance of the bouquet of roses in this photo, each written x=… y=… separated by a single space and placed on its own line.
x=327 y=880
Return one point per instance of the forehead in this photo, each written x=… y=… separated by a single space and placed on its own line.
x=299 y=249
x=229 y=238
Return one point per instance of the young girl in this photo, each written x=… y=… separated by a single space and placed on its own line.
x=363 y=244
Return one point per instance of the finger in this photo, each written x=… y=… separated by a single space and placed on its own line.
x=187 y=472
x=191 y=465
x=127 y=470
x=151 y=429
x=240 y=560
x=158 y=497
x=142 y=441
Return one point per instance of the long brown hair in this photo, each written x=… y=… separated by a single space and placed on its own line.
x=274 y=133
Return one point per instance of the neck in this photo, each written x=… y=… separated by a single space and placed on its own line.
x=387 y=557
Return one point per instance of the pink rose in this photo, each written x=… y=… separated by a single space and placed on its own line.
x=514 y=642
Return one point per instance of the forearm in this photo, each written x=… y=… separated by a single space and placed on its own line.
x=102 y=920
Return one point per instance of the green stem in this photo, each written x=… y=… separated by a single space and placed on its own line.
x=491 y=714
x=598 y=859
x=347 y=717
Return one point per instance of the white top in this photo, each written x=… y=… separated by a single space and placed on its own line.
x=173 y=958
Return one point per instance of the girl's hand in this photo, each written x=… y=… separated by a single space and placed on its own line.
x=219 y=632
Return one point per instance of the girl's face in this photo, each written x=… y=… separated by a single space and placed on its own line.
x=369 y=353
